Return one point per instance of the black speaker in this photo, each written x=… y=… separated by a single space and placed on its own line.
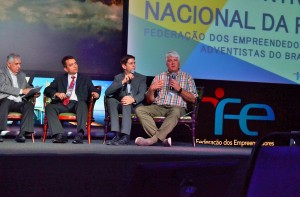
x=182 y=179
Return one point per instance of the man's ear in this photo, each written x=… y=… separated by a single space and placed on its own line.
x=65 y=69
x=123 y=66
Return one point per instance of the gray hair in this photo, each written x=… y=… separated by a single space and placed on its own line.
x=12 y=56
x=172 y=54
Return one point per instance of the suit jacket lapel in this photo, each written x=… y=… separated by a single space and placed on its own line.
x=9 y=76
x=124 y=88
x=65 y=82
x=78 y=81
x=20 y=80
x=134 y=84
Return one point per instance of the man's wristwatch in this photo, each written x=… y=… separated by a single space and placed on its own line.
x=180 y=90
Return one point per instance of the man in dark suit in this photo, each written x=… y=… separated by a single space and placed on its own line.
x=124 y=94
x=13 y=84
x=70 y=93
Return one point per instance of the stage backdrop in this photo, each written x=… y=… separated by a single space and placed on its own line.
x=42 y=32
x=246 y=54
x=237 y=40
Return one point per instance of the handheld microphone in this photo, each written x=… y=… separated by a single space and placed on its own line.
x=171 y=76
x=129 y=90
x=132 y=72
x=69 y=92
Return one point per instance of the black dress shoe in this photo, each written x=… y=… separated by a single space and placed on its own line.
x=78 y=139
x=60 y=138
x=20 y=138
x=116 y=138
x=125 y=139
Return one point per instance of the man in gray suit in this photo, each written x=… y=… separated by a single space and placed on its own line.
x=13 y=84
x=124 y=94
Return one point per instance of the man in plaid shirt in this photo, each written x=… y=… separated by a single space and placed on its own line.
x=169 y=93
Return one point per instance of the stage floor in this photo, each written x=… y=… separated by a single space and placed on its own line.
x=48 y=169
x=10 y=147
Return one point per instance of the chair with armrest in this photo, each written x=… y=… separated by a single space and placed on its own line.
x=189 y=119
x=273 y=170
x=17 y=116
x=71 y=117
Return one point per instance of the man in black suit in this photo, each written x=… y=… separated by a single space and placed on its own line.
x=76 y=96
x=13 y=84
x=124 y=94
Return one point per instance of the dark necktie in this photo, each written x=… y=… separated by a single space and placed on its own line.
x=69 y=91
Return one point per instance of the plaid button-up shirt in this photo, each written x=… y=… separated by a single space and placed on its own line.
x=168 y=97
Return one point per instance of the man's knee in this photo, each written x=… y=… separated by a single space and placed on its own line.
x=49 y=108
x=127 y=107
x=111 y=101
x=176 y=111
x=29 y=106
x=81 y=105
x=140 y=109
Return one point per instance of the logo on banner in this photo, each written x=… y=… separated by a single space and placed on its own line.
x=242 y=117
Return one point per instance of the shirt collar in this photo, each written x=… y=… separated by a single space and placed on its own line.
x=176 y=73
x=69 y=76
x=11 y=73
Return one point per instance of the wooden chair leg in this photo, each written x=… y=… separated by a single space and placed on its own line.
x=105 y=131
x=45 y=131
x=32 y=137
x=193 y=134
x=89 y=132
